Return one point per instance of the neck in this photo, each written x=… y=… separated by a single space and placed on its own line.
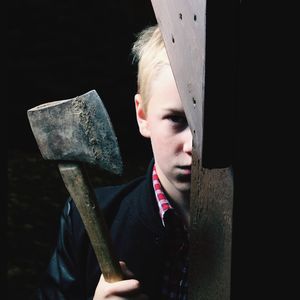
x=182 y=205
x=180 y=200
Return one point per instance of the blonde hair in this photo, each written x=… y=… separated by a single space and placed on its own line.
x=150 y=53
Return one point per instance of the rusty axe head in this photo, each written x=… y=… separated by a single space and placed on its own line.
x=76 y=129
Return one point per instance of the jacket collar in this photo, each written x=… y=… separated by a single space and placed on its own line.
x=148 y=207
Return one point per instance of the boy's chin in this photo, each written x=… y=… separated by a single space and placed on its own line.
x=184 y=186
x=184 y=179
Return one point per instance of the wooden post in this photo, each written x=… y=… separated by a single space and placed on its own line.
x=183 y=26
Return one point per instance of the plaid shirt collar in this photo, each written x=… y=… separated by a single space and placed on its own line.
x=162 y=201
x=174 y=281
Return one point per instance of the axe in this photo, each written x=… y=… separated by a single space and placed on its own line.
x=74 y=132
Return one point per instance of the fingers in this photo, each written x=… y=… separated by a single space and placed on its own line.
x=125 y=270
x=123 y=287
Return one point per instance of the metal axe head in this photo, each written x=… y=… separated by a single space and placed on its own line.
x=76 y=129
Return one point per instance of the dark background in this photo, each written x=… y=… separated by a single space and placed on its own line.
x=57 y=50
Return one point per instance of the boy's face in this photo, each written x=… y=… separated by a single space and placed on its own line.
x=166 y=125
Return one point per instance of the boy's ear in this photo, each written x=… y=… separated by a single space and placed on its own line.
x=141 y=116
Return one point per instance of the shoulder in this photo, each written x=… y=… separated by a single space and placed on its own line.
x=115 y=200
x=109 y=198
x=107 y=194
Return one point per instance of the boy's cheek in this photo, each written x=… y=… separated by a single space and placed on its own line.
x=144 y=131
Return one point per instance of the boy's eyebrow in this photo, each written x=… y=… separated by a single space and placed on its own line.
x=174 y=111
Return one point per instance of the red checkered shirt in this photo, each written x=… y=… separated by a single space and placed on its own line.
x=175 y=283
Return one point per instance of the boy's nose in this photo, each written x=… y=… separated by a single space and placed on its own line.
x=188 y=144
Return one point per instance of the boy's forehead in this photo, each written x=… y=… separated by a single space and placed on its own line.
x=167 y=103
x=164 y=72
x=164 y=82
x=164 y=92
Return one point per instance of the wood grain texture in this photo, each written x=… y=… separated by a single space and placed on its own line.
x=210 y=233
x=183 y=26
x=81 y=191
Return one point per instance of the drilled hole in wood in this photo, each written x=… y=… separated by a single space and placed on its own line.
x=173 y=40
x=180 y=16
x=195 y=17
x=194 y=102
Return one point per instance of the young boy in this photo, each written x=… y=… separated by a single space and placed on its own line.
x=148 y=218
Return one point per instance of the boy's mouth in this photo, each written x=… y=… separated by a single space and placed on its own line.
x=186 y=170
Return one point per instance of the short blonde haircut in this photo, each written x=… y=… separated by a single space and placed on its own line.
x=150 y=53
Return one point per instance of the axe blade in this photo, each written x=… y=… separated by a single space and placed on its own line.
x=77 y=129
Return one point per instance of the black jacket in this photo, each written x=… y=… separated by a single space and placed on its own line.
x=138 y=237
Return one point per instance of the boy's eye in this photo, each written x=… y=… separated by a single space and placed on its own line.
x=180 y=120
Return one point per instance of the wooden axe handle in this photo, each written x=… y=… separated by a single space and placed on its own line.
x=81 y=191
